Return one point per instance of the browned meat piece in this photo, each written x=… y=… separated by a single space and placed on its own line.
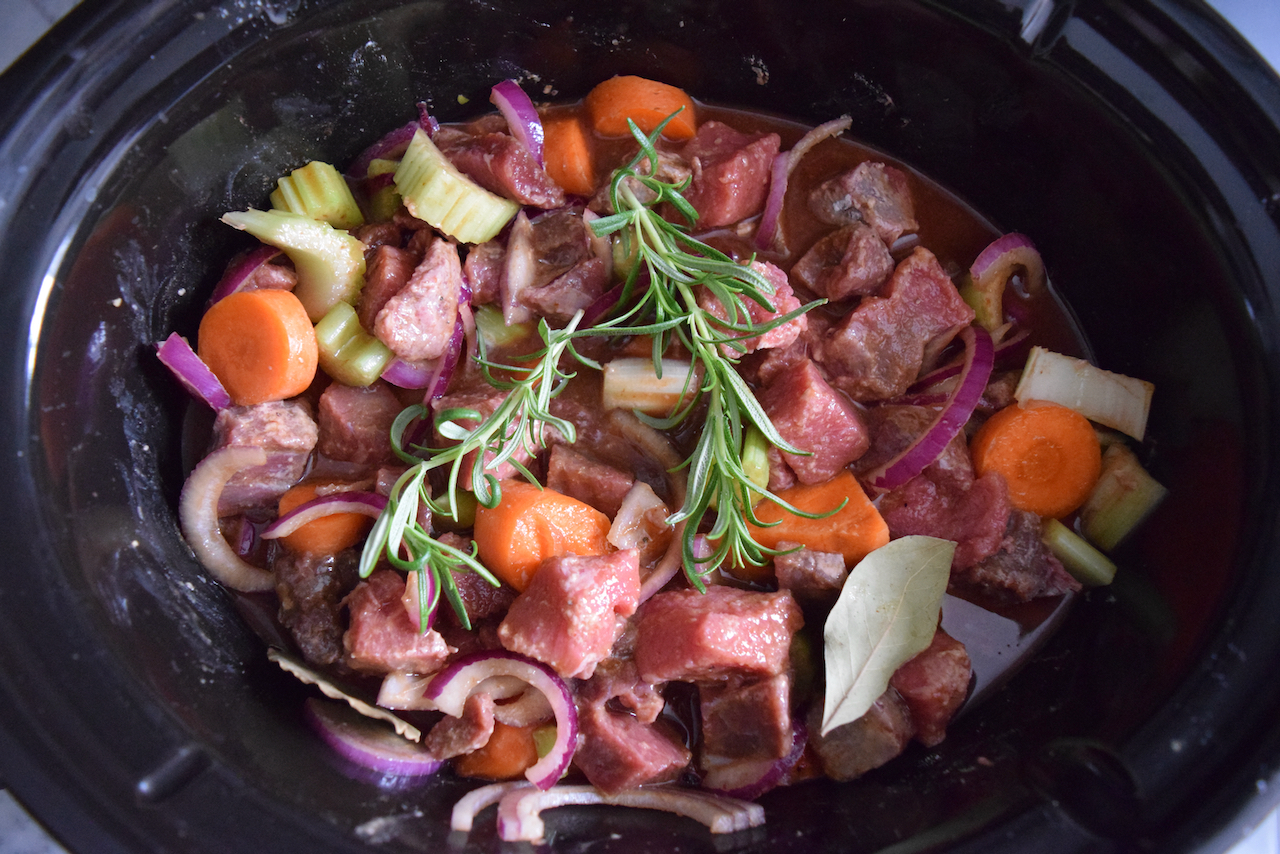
x=895 y=426
x=382 y=637
x=418 y=321
x=285 y=430
x=551 y=268
x=850 y=261
x=573 y=610
x=873 y=193
x=617 y=681
x=266 y=277
x=355 y=423
x=688 y=636
x=879 y=349
x=975 y=517
x=482 y=271
x=783 y=301
x=853 y=749
x=814 y=417
x=386 y=274
x=481 y=599
x=1023 y=568
x=455 y=736
x=749 y=720
x=500 y=164
x=934 y=685
x=311 y=589
x=673 y=168
x=730 y=173
x=811 y=576
x=618 y=751
x=593 y=482
x=572 y=291
x=376 y=234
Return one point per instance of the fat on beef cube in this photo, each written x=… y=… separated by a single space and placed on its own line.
x=687 y=636
x=617 y=751
x=783 y=301
x=746 y=720
x=851 y=750
x=879 y=349
x=452 y=736
x=813 y=577
x=871 y=192
x=573 y=610
x=285 y=430
x=848 y=262
x=1022 y=568
x=814 y=417
x=730 y=173
x=355 y=423
x=934 y=685
x=386 y=273
x=418 y=321
x=382 y=637
x=311 y=589
x=590 y=481
x=502 y=165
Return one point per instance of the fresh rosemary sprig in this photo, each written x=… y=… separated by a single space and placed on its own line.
x=519 y=424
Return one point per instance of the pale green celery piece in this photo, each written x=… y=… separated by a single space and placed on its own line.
x=437 y=193
x=329 y=262
x=1085 y=563
x=466 y=510
x=544 y=738
x=494 y=331
x=385 y=201
x=1124 y=495
x=317 y=190
x=347 y=353
x=987 y=304
x=633 y=383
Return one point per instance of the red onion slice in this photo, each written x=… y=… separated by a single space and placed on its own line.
x=522 y=117
x=959 y=408
x=370 y=504
x=1006 y=256
x=448 y=362
x=1013 y=346
x=749 y=779
x=461 y=678
x=241 y=270
x=780 y=173
x=393 y=145
x=198 y=515
x=369 y=743
x=411 y=375
x=176 y=355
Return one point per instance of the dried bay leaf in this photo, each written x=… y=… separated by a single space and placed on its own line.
x=886 y=614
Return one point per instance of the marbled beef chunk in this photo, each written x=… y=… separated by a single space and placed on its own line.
x=355 y=423
x=814 y=417
x=311 y=589
x=387 y=272
x=618 y=751
x=746 y=720
x=502 y=165
x=873 y=193
x=853 y=749
x=813 y=577
x=850 y=261
x=382 y=637
x=573 y=610
x=452 y=736
x=934 y=685
x=877 y=352
x=482 y=271
x=687 y=636
x=285 y=430
x=599 y=484
x=974 y=517
x=1023 y=568
x=418 y=321
x=730 y=173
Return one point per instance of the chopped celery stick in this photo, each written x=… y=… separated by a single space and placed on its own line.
x=632 y=383
x=1124 y=495
x=466 y=511
x=348 y=353
x=494 y=331
x=1085 y=563
x=318 y=191
x=329 y=262
x=987 y=305
x=755 y=458
x=1112 y=400
x=384 y=201
x=436 y=192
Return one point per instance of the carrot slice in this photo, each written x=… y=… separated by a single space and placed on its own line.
x=646 y=102
x=260 y=345
x=854 y=531
x=530 y=525
x=327 y=535
x=509 y=752
x=567 y=154
x=1048 y=453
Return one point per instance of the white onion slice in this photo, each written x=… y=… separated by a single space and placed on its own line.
x=964 y=398
x=780 y=173
x=367 y=742
x=1112 y=400
x=370 y=504
x=236 y=277
x=472 y=803
x=522 y=117
x=403 y=692
x=519 y=810
x=198 y=515
x=461 y=678
x=176 y=355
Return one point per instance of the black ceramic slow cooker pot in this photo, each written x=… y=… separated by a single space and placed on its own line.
x=1137 y=141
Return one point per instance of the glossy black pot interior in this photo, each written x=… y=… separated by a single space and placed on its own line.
x=1136 y=142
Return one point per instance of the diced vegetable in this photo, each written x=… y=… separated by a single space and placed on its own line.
x=495 y=332
x=1007 y=256
x=384 y=200
x=347 y=352
x=1048 y=454
x=855 y=530
x=329 y=262
x=568 y=154
x=1125 y=495
x=436 y=192
x=632 y=383
x=260 y=345
x=327 y=534
x=1113 y=400
x=318 y=191
x=1085 y=563
x=755 y=457
x=509 y=752
x=645 y=102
